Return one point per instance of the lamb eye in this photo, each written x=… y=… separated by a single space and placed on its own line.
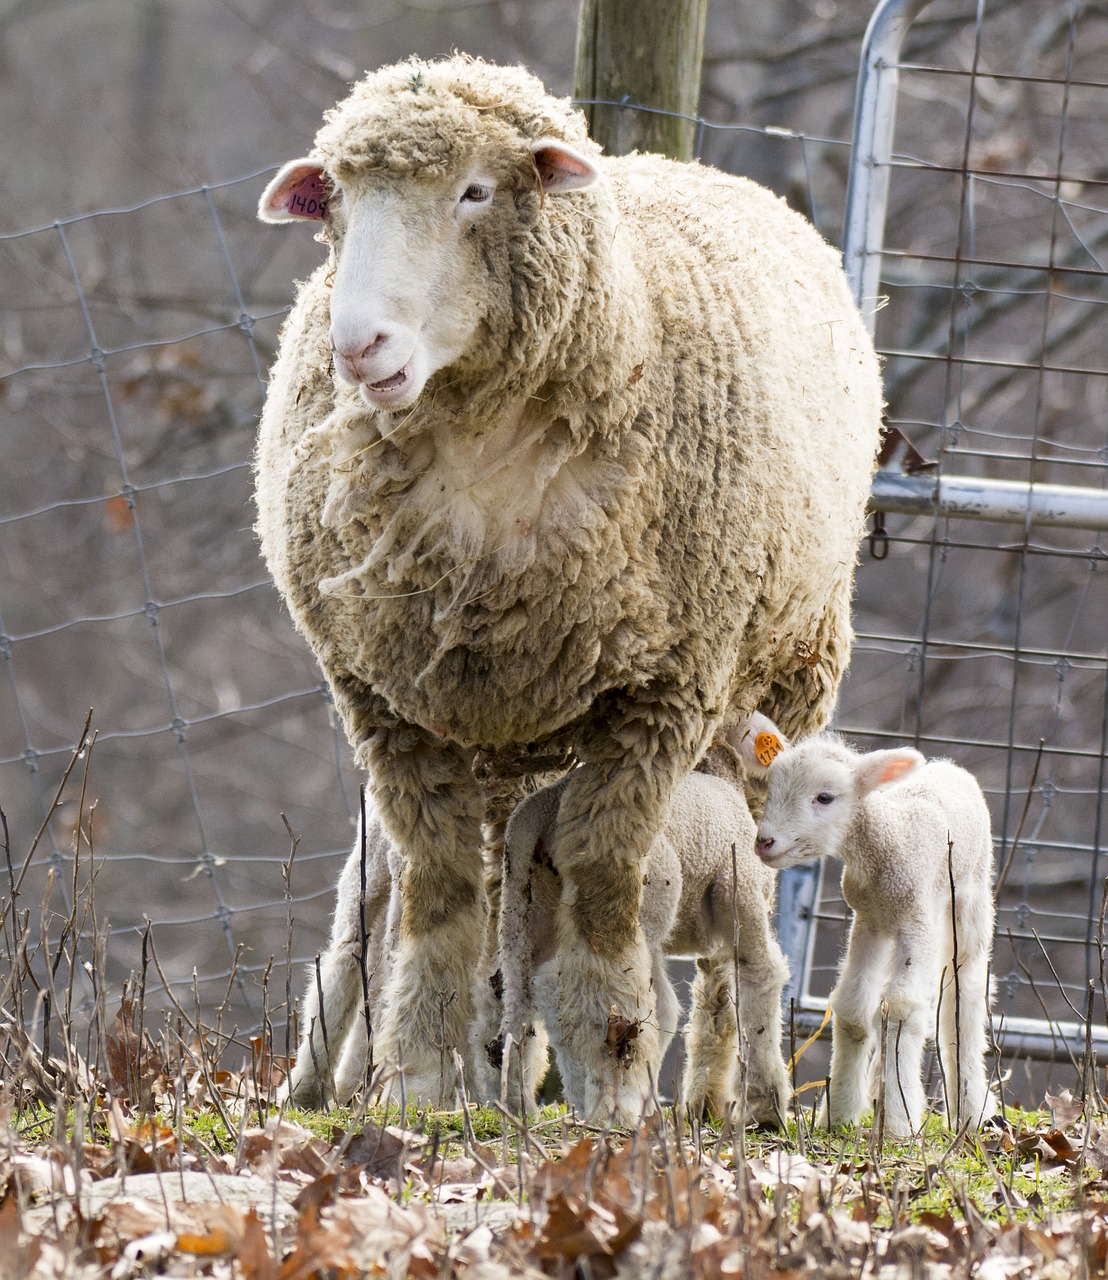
x=824 y=797
x=476 y=193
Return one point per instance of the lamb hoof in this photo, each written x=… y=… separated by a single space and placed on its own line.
x=304 y=1092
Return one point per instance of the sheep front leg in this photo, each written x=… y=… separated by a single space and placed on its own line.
x=606 y=1027
x=963 y=1020
x=432 y=807
x=856 y=1003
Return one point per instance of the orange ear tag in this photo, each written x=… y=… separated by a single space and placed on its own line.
x=766 y=747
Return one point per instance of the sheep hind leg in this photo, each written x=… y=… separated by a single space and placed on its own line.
x=963 y=1044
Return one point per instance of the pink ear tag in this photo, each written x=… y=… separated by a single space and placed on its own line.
x=766 y=747
x=307 y=199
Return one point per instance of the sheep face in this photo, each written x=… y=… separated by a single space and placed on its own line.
x=814 y=793
x=420 y=258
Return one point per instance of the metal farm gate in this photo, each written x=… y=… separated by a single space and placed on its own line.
x=976 y=239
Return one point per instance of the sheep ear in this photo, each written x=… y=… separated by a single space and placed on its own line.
x=882 y=768
x=297 y=194
x=560 y=168
x=757 y=740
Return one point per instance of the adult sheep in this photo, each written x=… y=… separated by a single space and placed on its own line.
x=561 y=452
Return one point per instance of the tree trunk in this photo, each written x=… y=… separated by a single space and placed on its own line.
x=645 y=52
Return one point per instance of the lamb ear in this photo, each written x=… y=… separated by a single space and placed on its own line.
x=757 y=740
x=297 y=194
x=882 y=768
x=560 y=168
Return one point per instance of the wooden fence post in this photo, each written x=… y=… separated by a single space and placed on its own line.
x=647 y=52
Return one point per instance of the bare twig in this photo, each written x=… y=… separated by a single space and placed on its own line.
x=55 y=805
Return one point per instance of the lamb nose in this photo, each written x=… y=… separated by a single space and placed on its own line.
x=764 y=844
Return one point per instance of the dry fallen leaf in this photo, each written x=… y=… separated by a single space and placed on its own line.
x=1063 y=1110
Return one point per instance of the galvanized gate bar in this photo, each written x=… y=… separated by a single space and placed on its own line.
x=1060 y=506
x=874 y=123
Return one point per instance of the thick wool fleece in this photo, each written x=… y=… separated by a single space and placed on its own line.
x=673 y=388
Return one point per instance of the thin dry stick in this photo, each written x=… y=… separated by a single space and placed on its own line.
x=55 y=804
x=214 y=1095
x=939 y=1040
x=1088 y=1072
x=792 y=1068
x=1100 y=945
x=286 y=875
x=329 y=1080
x=74 y=958
x=259 y=1057
x=878 y=1132
x=48 y=1000
x=995 y=1042
x=363 y=937
x=91 y=929
x=1054 y=974
x=224 y=1004
x=1057 y=1039
x=899 y=1081
x=1019 y=828
x=958 y=1082
x=740 y=1050
x=17 y=942
x=140 y=1092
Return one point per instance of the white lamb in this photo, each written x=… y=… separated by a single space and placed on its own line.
x=690 y=907
x=915 y=841
x=562 y=453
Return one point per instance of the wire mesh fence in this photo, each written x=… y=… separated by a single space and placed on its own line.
x=133 y=359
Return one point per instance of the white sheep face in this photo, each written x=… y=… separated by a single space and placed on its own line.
x=815 y=791
x=413 y=275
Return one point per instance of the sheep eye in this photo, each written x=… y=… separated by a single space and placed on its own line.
x=824 y=797
x=475 y=193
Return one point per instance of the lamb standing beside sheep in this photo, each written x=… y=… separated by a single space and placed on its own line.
x=561 y=452
x=915 y=841
x=691 y=905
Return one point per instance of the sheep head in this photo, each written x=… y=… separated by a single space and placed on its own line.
x=815 y=791
x=425 y=180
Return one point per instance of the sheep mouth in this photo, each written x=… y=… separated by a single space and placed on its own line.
x=396 y=387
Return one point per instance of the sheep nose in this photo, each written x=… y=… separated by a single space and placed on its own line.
x=764 y=844
x=355 y=350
